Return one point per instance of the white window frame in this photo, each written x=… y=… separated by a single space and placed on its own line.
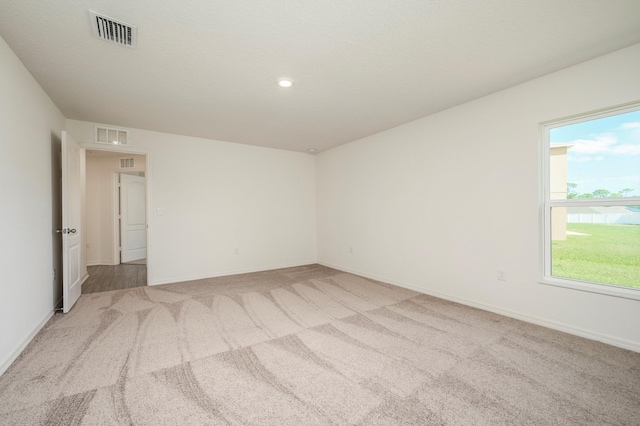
x=546 y=204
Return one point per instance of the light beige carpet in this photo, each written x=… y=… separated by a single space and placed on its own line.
x=309 y=346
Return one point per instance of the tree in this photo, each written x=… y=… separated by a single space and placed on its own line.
x=601 y=193
x=571 y=190
x=585 y=196
x=626 y=191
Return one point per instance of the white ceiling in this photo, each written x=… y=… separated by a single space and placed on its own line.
x=209 y=68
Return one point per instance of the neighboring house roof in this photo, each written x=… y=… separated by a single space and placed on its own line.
x=560 y=145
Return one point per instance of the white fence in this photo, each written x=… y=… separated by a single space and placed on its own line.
x=618 y=219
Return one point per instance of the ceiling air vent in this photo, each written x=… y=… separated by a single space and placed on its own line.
x=126 y=163
x=112 y=136
x=114 y=31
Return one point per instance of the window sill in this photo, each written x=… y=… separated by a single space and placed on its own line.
x=609 y=290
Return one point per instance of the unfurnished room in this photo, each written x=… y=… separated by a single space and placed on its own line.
x=320 y=212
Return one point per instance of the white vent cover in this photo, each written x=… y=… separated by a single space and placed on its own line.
x=112 y=136
x=126 y=163
x=114 y=31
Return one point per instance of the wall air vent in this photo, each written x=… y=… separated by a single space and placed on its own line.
x=112 y=136
x=126 y=163
x=113 y=31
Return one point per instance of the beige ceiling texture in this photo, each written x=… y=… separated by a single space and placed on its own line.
x=209 y=68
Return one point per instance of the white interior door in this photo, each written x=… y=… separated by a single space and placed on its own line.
x=133 y=225
x=71 y=241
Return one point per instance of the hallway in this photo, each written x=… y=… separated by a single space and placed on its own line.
x=117 y=277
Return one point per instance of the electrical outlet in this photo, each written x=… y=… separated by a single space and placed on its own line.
x=502 y=274
x=351 y=250
x=237 y=250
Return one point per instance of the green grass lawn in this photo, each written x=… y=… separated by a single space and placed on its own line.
x=610 y=254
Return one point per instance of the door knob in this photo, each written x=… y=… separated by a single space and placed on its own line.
x=66 y=231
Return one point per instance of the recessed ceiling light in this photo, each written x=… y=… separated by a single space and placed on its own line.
x=285 y=82
x=312 y=150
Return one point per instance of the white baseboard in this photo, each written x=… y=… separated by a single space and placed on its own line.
x=102 y=263
x=230 y=272
x=555 y=325
x=12 y=357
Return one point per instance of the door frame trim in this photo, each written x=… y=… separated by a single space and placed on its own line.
x=148 y=181
x=115 y=204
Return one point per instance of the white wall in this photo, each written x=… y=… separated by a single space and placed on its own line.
x=30 y=129
x=217 y=197
x=100 y=212
x=440 y=203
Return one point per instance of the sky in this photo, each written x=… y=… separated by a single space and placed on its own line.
x=605 y=153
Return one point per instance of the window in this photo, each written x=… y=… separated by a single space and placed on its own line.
x=591 y=202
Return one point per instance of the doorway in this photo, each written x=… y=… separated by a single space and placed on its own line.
x=115 y=221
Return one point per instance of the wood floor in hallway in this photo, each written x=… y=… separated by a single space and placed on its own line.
x=117 y=277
